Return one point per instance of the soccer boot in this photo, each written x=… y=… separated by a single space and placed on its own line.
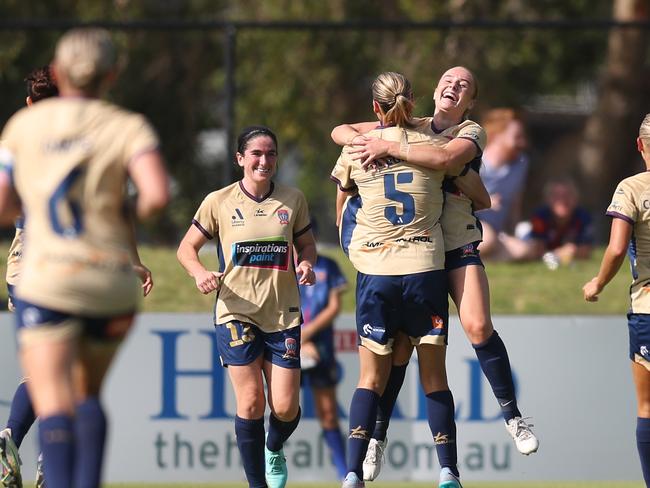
x=524 y=438
x=9 y=462
x=448 y=479
x=374 y=459
x=276 y=468
x=40 y=477
x=353 y=481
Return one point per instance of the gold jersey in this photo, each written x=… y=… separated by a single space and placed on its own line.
x=392 y=226
x=69 y=158
x=631 y=202
x=254 y=239
x=459 y=224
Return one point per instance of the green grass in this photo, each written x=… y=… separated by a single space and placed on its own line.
x=508 y=484
x=528 y=288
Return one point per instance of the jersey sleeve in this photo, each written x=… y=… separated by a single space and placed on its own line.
x=475 y=133
x=342 y=173
x=141 y=138
x=302 y=222
x=623 y=205
x=7 y=151
x=206 y=218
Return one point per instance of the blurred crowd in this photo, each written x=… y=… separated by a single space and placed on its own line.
x=557 y=231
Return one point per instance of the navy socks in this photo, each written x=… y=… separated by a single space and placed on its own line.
x=493 y=358
x=280 y=431
x=440 y=412
x=643 y=445
x=21 y=414
x=334 y=441
x=57 y=444
x=387 y=401
x=250 y=440
x=363 y=412
x=90 y=437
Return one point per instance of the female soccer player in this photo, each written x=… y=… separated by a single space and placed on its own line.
x=257 y=223
x=631 y=233
x=391 y=232
x=320 y=306
x=454 y=96
x=69 y=158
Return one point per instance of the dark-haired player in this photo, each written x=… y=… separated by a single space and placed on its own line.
x=320 y=305
x=66 y=163
x=257 y=223
x=40 y=85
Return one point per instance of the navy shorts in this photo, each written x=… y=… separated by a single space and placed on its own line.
x=467 y=255
x=415 y=304
x=324 y=375
x=33 y=320
x=639 y=328
x=241 y=343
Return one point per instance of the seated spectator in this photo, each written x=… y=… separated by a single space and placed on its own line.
x=560 y=230
x=504 y=171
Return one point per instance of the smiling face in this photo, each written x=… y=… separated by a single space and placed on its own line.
x=259 y=160
x=455 y=92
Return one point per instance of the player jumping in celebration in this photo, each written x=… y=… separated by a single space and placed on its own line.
x=77 y=292
x=320 y=305
x=390 y=230
x=257 y=223
x=630 y=234
x=454 y=96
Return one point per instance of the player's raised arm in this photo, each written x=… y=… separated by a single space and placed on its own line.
x=348 y=134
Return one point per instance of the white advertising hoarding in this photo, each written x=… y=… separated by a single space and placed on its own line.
x=171 y=406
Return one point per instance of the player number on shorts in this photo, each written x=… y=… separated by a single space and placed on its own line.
x=61 y=194
x=406 y=199
x=246 y=334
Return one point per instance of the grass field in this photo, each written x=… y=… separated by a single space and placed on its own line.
x=528 y=288
x=583 y=484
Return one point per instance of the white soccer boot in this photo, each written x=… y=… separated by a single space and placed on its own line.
x=374 y=459
x=524 y=438
x=448 y=479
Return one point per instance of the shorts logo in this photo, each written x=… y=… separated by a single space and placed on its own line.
x=644 y=351
x=32 y=317
x=271 y=254
x=467 y=251
x=437 y=322
x=283 y=216
x=367 y=329
x=291 y=348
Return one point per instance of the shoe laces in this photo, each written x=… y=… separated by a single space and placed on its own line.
x=276 y=461
x=522 y=428
x=376 y=452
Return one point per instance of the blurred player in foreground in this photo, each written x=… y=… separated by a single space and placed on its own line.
x=77 y=293
x=630 y=212
x=320 y=305
x=454 y=96
x=40 y=85
x=257 y=223
x=390 y=230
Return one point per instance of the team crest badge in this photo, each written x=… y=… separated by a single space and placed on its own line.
x=283 y=215
x=437 y=322
x=291 y=348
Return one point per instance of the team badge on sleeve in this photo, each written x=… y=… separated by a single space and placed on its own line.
x=283 y=215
